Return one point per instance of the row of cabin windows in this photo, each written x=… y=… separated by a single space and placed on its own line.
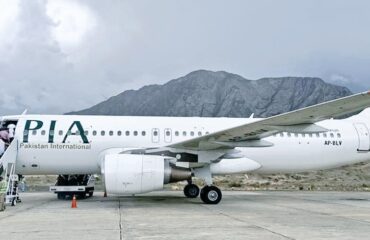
x=127 y=133
x=184 y=133
x=325 y=135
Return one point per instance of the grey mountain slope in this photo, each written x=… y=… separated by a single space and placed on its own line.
x=219 y=94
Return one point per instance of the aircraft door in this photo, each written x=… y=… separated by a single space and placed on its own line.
x=363 y=137
x=167 y=135
x=155 y=135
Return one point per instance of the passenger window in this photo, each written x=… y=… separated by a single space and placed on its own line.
x=127 y=133
x=207 y=133
x=51 y=132
x=143 y=133
x=318 y=135
x=325 y=135
x=289 y=134
x=102 y=133
x=86 y=133
x=331 y=135
x=199 y=134
x=191 y=133
x=135 y=133
x=338 y=135
x=34 y=132
x=77 y=132
x=168 y=133
x=110 y=133
x=184 y=133
x=94 y=133
x=310 y=135
x=295 y=134
x=281 y=134
x=119 y=133
x=177 y=133
x=43 y=132
x=155 y=133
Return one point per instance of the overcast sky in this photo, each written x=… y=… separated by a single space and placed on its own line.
x=62 y=55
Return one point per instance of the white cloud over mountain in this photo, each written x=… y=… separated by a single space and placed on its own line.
x=57 y=56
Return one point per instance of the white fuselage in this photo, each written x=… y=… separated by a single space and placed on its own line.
x=49 y=151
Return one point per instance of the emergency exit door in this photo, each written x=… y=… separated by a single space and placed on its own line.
x=363 y=137
x=167 y=135
x=155 y=135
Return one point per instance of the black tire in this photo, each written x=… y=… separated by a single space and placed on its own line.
x=191 y=191
x=202 y=195
x=91 y=194
x=211 y=195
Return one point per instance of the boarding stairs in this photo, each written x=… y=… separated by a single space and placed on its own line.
x=7 y=171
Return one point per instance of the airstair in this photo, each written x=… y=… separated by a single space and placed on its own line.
x=7 y=171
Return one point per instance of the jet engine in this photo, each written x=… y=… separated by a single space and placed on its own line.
x=138 y=173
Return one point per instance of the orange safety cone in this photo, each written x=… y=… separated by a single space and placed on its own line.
x=74 y=202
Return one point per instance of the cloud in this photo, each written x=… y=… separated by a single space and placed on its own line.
x=59 y=56
x=339 y=79
x=34 y=71
x=72 y=22
x=40 y=70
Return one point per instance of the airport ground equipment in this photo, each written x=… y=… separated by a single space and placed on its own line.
x=68 y=186
x=7 y=170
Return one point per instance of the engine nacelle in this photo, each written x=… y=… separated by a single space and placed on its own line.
x=136 y=173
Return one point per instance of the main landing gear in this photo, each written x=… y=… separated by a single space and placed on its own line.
x=209 y=194
x=191 y=190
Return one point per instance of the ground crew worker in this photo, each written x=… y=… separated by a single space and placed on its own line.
x=4 y=134
x=11 y=129
x=3 y=186
x=4 y=140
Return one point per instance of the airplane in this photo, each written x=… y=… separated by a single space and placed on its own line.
x=141 y=154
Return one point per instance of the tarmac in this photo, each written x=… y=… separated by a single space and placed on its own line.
x=169 y=215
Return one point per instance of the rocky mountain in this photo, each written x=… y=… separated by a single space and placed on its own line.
x=219 y=94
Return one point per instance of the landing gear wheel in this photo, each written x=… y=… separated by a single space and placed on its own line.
x=191 y=191
x=211 y=195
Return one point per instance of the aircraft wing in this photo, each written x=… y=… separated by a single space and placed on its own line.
x=301 y=120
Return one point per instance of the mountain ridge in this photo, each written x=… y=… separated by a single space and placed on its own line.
x=219 y=94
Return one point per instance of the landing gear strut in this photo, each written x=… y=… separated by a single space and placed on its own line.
x=191 y=190
x=211 y=195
